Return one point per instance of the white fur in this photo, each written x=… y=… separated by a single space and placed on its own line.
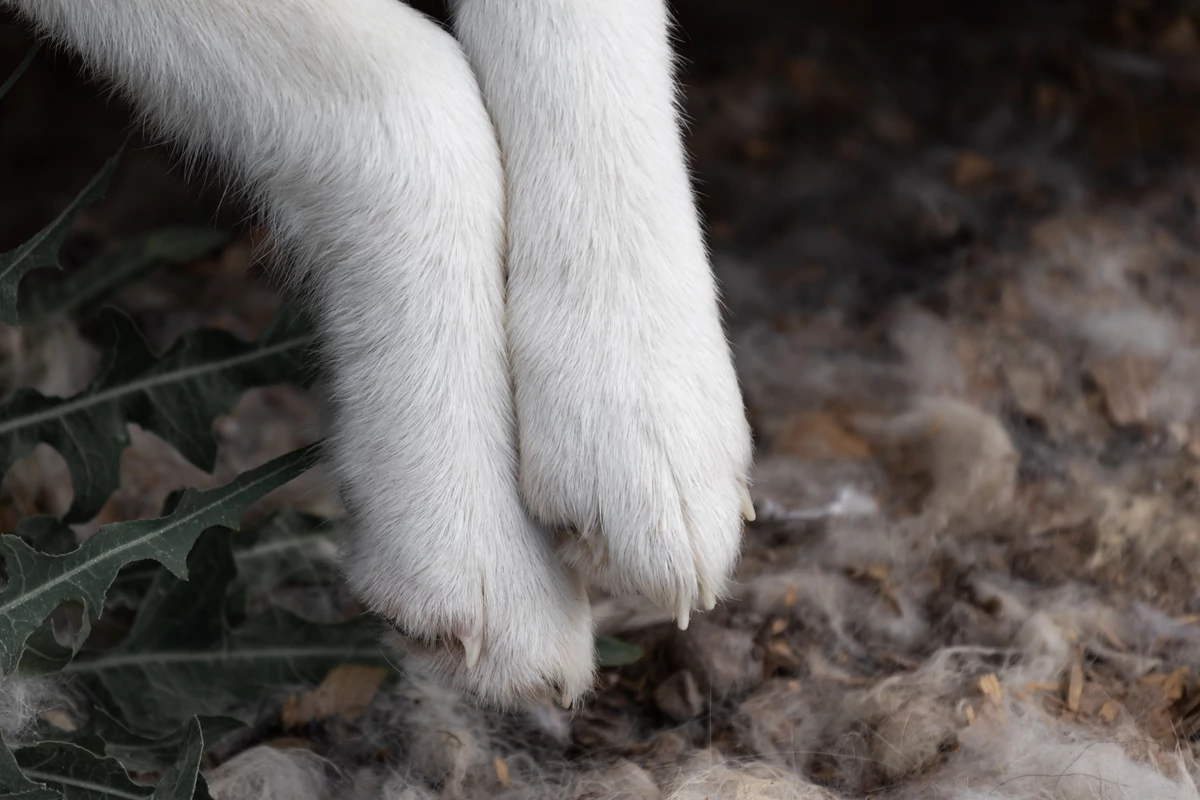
x=632 y=430
x=359 y=126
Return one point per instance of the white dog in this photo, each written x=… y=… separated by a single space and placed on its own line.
x=532 y=388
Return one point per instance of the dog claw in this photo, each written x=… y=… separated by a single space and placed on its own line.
x=707 y=599
x=683 y=614
x=471 y=646
x=747 y=505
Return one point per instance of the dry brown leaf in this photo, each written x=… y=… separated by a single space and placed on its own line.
x=893 y=127
x=821 y=668
x=805 y=76
x=1179 y=38
x=781 y=649
x=816 y=435
x=972 y=170
x=780 y=656
x=289 y=743
x=878 y=574
x=1176 y=683
x=1104 y=627
x=757 y=149
x=345 y=693
x=1125 y=381
x=1048 y=100
x=1170 y=685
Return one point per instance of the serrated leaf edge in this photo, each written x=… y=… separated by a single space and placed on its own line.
x=72 y=406
x=154 y=534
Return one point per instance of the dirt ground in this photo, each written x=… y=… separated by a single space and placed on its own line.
x=960 y=251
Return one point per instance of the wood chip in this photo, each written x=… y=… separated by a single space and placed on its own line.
x=501 y=771
x=1075 y=682
x=989 y=685
x=1042 y=686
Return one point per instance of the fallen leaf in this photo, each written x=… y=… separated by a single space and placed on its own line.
x=345 y=693
x=1170 y=684
x=972 y=170
x=1179 y=38
x=1125 y=382
x=878 y=574
x=815 y=435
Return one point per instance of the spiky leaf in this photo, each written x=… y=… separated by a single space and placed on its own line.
x=38 y=583
x=155 y=686
x=20 y=70
x=44 y=653
x=15 y=785
x=289 y=547
x=150 y=754
x=47 y=535
x=184 y=782
x=181 y=659
x=615 y=653
x=55 y=770
x=82 y=293
x=176 y=396
x=75 y=773
x=42 y=250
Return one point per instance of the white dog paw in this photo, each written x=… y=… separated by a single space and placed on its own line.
x=632 y=429
x=634 y=442
x=486 y=608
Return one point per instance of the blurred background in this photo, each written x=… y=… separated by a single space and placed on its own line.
x=958 y=244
